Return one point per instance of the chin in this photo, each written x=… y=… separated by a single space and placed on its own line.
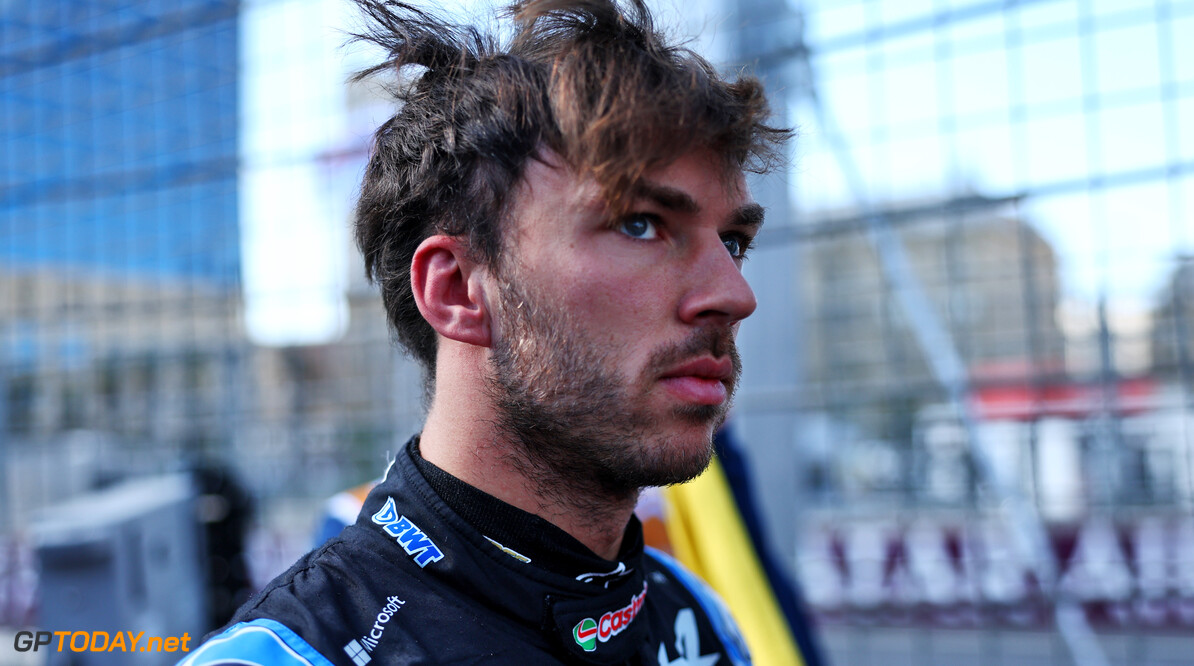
x=709 y=416
x=659 y=459
x=686 y=470
x=684 y=456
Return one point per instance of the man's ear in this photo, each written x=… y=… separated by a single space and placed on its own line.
x=449 y=290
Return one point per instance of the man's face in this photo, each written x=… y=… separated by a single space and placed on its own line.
x=614 y=359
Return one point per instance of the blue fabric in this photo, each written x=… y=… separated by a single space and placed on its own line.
x=328 y=529
x=256 y=643
x=714 y=608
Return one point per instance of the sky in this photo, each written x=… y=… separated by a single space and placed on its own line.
x=291 y=93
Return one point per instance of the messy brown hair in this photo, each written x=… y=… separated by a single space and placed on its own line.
x=590 y=80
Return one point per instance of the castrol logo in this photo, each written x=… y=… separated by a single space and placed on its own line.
x=588 y=632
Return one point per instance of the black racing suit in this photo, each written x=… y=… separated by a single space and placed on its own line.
x=437 y=572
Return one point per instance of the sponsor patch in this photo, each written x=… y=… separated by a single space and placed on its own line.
x=588 y=631
x=359 y=649
x=408 y=535
x=688 y=644
x=585 y=634
x=357 y=653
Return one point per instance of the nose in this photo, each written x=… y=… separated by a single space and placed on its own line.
x=717 y=293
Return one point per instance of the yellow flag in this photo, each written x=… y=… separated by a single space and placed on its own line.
x=708 y=536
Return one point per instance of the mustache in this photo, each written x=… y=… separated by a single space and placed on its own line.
x=716 y=341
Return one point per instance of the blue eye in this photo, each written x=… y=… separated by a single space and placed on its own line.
x=737 y=245
x=640 y=226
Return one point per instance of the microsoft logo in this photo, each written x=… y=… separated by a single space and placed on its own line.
x=357 y=653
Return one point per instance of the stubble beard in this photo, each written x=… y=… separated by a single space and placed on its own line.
x=577 y=428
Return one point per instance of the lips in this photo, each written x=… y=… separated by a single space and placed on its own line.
x=704 y=368
x=703 y=381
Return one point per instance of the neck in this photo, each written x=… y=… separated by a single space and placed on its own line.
x=461 y=437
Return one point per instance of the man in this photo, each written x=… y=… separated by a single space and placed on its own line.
x=557 y=226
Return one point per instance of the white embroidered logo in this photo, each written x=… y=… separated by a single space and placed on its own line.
x=358 y=650
x=688 y=644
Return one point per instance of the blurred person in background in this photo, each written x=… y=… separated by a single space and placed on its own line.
x=557 y=222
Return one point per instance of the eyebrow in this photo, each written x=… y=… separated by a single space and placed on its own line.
x=748 y=215
x=670 y=198
x=667 y=197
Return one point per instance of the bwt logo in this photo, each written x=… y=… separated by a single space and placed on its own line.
x=409 y=536
x=99 y=641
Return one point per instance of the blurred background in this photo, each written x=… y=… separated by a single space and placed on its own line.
x=968 y=398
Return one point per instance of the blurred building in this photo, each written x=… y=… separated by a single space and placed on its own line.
x=144 y=360
x=1173 y=324
x=991 y=274
x=143 y=374
x=124 y=341
x=120 y=253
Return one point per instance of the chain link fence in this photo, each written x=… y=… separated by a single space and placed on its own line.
x=986 y=270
